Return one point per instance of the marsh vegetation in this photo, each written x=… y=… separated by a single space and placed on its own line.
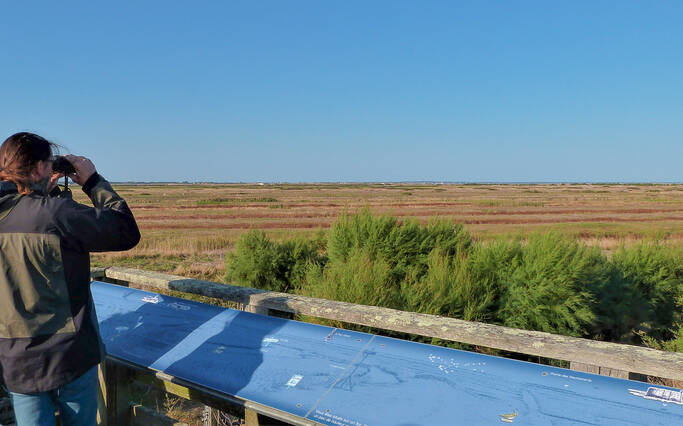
x=599 y=261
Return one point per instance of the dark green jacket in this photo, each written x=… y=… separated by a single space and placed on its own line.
x=48 y=328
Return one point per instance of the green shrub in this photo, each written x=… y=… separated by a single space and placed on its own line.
x=465 y=286
x=261 y=263
x=372 y=257
x=362 y=278
x=654 y=273
x=673 y=345
x=547 y=285
x=550 y=283
x=620 y=308
x=403 y=245
x=450 y=287
x=487 y=262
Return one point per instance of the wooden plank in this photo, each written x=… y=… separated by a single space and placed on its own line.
x=256 y=309
x=252 y=418
x=609 y=355
x=143 y=416
x=586 y=368
x=603 y=371
x=101 y=396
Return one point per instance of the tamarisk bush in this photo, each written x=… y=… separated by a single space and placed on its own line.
x=261 y=263
x=655 y=274
x=548 y=283
x=386 y=251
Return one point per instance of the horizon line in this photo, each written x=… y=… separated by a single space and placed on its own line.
x=413 y=182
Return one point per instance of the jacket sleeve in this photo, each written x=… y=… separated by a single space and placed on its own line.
x=108 y=226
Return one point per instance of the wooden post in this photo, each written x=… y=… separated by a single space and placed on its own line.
x=101 y=397
x=256 y=308
x=253 y=418
x=115 y=393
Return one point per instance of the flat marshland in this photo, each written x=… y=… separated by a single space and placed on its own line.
x=187 y=229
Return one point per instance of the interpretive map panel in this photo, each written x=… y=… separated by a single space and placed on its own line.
x=340 y=377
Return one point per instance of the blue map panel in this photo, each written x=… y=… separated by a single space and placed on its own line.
x=341 y=377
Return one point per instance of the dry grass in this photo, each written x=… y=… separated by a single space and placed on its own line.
x=193 y=226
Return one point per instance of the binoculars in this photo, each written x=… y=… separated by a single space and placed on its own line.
x=63 y=166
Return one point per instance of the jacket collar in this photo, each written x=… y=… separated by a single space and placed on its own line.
x=10 y=188
x=9 y=198
x=7 y=188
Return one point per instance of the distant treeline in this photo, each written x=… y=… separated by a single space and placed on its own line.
x=547 y=282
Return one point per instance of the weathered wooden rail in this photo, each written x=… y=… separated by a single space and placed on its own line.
x=584 y=354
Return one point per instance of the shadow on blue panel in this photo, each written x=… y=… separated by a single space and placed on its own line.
x=216 y=347
x=229 y=357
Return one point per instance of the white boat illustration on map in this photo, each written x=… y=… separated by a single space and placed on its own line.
x=659 y=394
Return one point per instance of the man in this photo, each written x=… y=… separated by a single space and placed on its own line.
x=49 y=340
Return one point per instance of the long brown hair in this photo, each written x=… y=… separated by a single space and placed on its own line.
x=19 y=155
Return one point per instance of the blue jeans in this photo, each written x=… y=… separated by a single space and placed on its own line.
x=76 y=402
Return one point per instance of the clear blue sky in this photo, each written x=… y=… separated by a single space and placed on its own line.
x=351 y=90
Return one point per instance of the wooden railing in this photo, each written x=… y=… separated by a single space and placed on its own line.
x=118 y=376
x=584 y=354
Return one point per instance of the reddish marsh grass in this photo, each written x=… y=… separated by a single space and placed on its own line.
x=177 y=221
